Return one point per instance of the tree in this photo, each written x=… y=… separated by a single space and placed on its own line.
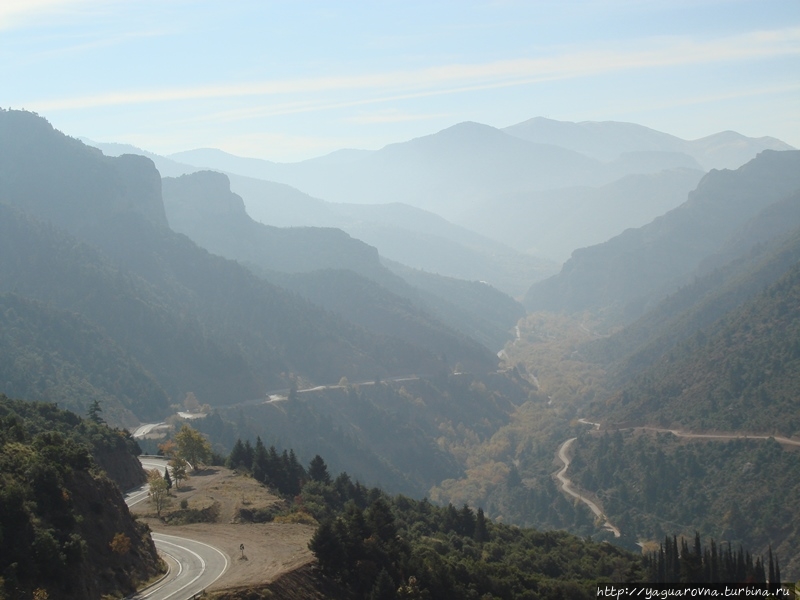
x=94 y=412
x=167 y=448
x=191 y=403
x=192 y=446
x=260 y=462
x=159 y=492
x=178 y=466
x=481 y=533
x=167 y=478
x=327 y=547
x=384 y=588
x=238 y=455
x=318 y=470
x=120 y=544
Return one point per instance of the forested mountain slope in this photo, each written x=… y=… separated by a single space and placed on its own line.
x=178 y=310
x=364 y=302
x=740 y=374
x=65 y=527
x=58 y=356
x=695 y=306
x=622 y=277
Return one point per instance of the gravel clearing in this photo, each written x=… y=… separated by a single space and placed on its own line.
x=270 y=549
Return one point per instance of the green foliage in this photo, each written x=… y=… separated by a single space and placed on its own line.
x=193 y=447
x=49 y=482
x=52 y=355
x=678 y=563
x=395 y=540
x=740 y=491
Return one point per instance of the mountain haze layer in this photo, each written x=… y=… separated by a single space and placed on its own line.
x=638 y=267
x=193 y=314
x=608 y=140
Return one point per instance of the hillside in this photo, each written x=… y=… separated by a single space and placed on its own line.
x=635 y=269
x=257 y=331
x=655 y=484
x=694 y=307
x=65 y=526
x=739 y=374
x=57 y=356
x=323 y=265
x=364 y=302
x=202 y=207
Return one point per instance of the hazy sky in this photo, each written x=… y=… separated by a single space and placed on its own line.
x=288 y=80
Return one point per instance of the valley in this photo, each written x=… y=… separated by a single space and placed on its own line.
x=427 y=345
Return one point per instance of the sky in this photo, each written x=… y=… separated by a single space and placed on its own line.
x=291 y=80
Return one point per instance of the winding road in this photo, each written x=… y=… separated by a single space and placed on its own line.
x=567 y=487
x=562 y=454
x=193 y=565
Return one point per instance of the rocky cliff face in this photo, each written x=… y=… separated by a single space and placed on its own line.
x=119 y=553
x=120 y=464
x=83 y=187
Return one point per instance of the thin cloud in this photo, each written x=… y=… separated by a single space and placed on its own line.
x=659 y=52
x=18 y=13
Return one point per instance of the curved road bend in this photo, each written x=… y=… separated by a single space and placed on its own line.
x=566 y=486
x=563 y=450
x=193 y=565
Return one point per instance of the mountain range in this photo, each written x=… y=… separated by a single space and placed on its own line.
x=631 y=271
x=131 y=286
x=89 y=234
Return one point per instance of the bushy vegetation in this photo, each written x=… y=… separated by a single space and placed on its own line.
x=740 y=491
x=59 y=515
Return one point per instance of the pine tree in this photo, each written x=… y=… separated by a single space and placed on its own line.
x=318 y=470
x=384 y=588
x=260 y=462
x=94 y=413
x=237 y=457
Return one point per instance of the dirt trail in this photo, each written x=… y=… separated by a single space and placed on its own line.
x=569 y=488
x=722 y=436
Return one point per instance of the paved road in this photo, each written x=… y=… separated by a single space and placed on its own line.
x=193 y=565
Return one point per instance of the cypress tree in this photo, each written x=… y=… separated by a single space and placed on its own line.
x=481 y=533
x=167 y=478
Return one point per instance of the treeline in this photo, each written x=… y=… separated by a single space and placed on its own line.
x=374 y=545
x=678 y=563
x=282 y=472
